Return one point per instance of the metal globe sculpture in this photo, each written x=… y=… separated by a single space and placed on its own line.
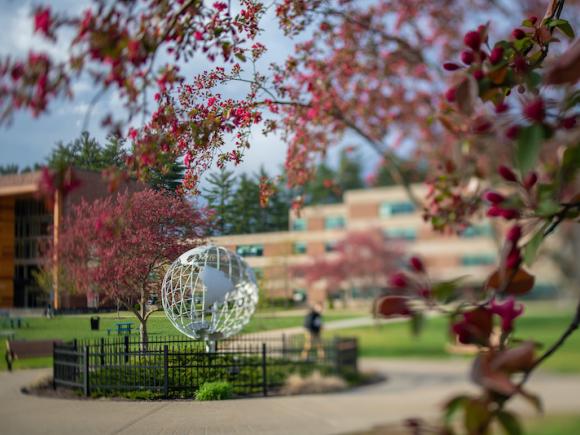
x=209 y=293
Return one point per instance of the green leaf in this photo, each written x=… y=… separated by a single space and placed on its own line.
x=566 y=29
x=547 y=204
x=453 y=405
x=531 y=248
x=444 y=290
x=528 y=148
x=570 y=162
x=553 y=22
x=476 y=414
x=527 y=23
x=533 y=79
x=510 y=423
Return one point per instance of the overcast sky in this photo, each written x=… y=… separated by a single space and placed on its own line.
x=27 y=140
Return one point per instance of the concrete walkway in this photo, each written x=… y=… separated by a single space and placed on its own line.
x=415 y=388
x=333 y=325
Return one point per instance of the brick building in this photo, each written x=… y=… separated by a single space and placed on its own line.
x=318 y=228
x=25 y=223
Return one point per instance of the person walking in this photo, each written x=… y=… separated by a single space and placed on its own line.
x=313 y=325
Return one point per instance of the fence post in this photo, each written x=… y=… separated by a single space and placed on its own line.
x=86 y=384
x=264 y=374
x=102 y=351
x=54 y=365
x=166 y=370
x=337 y=353
x=126 y=348
x=283 y=345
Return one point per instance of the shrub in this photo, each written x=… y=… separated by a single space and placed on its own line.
x=215 y=391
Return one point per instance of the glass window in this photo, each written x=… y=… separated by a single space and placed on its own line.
x=478 y=260
x=477 y=231
x=401 y=233
x=299 y=248
x=250 y=250
x=333 y=222
x=330 y=246
x=299 y=224
x=388 y=209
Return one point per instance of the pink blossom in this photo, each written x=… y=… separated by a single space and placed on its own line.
x=508 y=311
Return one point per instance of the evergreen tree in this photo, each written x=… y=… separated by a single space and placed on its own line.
x=349 y=173
x=220 y=198
x=86 y=153
x=410 y=171
x=168 y=178
x=10 y=168
x=322 y=188
x=246 y=206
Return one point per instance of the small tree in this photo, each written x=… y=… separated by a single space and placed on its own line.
x=119 y=247
x=363 y=259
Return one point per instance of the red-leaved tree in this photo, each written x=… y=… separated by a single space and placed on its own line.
x=119 y=247
x=362 y=260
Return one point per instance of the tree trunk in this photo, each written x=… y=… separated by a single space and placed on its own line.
x=143 y=334
x=143 y=323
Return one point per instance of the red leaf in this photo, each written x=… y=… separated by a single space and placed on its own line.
x=389 y=306
x=518 y=283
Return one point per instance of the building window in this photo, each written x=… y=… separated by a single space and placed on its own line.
x=477 y=231
x=299 y=248
x=401 y=233
x=333 y=222
x=478 y=260
x=330 y=246
x=299 y=224
x=388 y=209
x=250 y=250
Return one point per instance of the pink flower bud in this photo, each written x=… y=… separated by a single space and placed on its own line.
x=478 y=74
x=533 y=19
x=399 y=280
x=509 y=214
x=496 y=55
x=569 y=122
x=416 y=264
x=518 y=34
x=467 y=57
x=508 y=312
x=513 y=259
x=501 y=107
x=512 y=132
x=535 y=110
x=451 y=66
x=514 y=234
x=472 y=40
x=530 y=180
x=494 y=197
x=507 y=174
x=494 y=211
x=450 y=94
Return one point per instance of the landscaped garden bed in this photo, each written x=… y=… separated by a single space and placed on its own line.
x=176 y=368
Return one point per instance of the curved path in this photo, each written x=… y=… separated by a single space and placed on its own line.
x=415 y=388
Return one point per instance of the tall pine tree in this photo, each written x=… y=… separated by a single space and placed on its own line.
x=220 y=195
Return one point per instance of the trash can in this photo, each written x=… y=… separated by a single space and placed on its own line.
x=95 y=323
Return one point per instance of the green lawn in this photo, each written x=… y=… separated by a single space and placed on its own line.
x=69 y=327
x=553 y=425
x=543 y=325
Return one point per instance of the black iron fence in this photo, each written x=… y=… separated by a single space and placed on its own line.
x=175 y=367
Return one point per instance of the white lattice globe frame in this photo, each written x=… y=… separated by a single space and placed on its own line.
x=209 y=293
